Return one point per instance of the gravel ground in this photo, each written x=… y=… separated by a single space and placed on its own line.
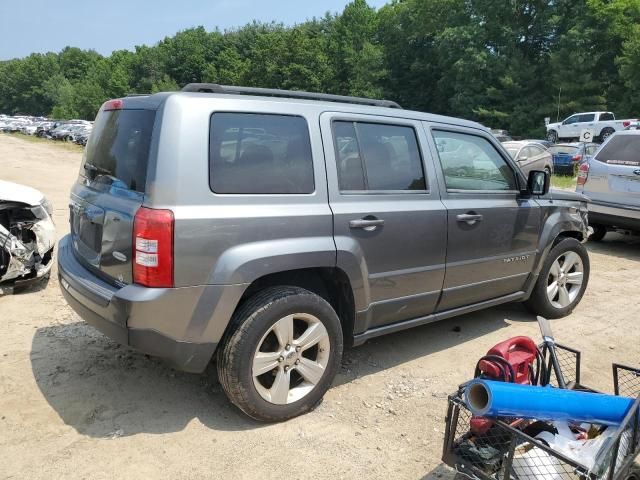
x=75 y=405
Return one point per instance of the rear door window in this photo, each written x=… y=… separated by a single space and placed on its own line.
x=378 y=157
x=118 y=149
x=254 y=153
x=606 y=117
x=621 y=150
x=587 y=117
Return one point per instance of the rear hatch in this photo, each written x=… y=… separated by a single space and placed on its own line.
x=110 y=190
x=614 y=172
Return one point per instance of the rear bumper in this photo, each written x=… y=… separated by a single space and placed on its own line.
x=179 y=325
x=613 y=215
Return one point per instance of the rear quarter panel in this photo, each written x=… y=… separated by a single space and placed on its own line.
x=223 y=239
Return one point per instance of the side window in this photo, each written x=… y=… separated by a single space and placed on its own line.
x=471 y=162
x=525 y=153
x=589 y=117
x=535 y=151
x=260 y=154
x=571 y=120
x=604 y=117
x=377 y=157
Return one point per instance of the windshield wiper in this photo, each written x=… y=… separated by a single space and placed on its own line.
x=94 y=169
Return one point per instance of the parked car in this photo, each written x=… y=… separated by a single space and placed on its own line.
x=530 y=156
x=501 y=135
x=27 y=236
x=270 y=228
x=603 y=124
x=611 y=180
x=567 y=156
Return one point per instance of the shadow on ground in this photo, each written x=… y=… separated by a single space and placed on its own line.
x=102 y=389
x=625 y=246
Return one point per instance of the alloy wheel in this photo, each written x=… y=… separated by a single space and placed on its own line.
x=565 y=279
x=291 y=358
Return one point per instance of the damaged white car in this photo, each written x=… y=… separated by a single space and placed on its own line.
x=27 y=236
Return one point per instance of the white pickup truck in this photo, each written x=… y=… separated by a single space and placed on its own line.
x=602 y=123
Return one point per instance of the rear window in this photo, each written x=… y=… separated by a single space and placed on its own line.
x=621 y=150
x=118 y=149
x=254 y=153
x=566 y=149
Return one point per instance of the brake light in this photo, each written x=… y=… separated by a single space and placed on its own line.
x=626 y=123
x=153 y=247
x=576 y=158
x=115 y=104
x=583 y=173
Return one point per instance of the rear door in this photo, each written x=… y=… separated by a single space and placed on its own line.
x=614 y=172
x=109 y=191
x=492 y=231
x=387 y=213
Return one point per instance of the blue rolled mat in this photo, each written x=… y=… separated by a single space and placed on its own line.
x=487 y=398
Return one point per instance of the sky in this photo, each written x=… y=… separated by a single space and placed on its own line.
x=28 y=26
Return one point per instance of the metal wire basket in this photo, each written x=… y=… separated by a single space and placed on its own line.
x=508 y=450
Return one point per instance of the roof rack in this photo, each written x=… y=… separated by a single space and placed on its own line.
x=272 y=92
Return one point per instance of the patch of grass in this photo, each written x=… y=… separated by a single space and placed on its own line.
x=563 y=181
x=58 y=143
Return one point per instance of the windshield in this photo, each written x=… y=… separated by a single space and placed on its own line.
x=118 y=149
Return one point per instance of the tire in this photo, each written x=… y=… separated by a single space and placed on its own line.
x=540 y=303
x=548 y=170
x=606 y=133
x=599 y=231
x=253 y=331
x=552 y=136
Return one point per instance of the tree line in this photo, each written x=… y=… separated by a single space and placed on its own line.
x=505 y=63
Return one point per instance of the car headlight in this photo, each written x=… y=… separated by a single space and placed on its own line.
x=47 y=205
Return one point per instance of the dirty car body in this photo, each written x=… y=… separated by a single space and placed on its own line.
x=27 y=236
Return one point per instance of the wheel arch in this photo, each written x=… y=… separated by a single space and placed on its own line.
x=330 y=283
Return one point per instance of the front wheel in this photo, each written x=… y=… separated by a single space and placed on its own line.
x=281 y=354
x=562 y=280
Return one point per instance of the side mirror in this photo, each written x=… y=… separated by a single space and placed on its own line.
x=538 y=182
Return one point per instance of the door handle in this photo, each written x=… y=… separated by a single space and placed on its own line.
x=367 y=223
x=469 y=218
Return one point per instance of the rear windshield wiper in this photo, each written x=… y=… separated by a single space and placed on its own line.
x=94 y=169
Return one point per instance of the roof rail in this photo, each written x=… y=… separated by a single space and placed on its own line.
x=272 y=92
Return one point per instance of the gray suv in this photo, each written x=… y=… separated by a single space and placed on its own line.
x=271 y=228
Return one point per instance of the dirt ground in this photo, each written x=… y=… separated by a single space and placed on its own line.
x=75 y=405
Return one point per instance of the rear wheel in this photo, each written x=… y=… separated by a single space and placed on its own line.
x=606 y=133
x=599 y=231
x=552 y=136
x=562 y=280
x=282 y=353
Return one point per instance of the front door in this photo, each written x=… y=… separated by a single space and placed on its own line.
x=388 y=217
x=492 y=231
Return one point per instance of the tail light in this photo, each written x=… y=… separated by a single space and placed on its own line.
x=115 y=104
x=576 y=158
x=626 y=123
x=153 y=247
x=583 y=173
